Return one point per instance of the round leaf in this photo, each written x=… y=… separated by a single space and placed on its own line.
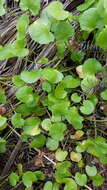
x=17 y=81
x=56 y=131
x=76 y=157
x=28 y=178
x=52 y=144
x=104 y=95
x=63 y=35
x=97 y=180
x=32 y=6
x=46 y=124
x=55 y=10
x=91 y=170
x=31 y=126
x=30 y=76
x=61 y=155
x=91 y=66
x=24 y=94
x=38 y=141
x=89 y=20
x=70 y=184
x=46 y=86
x=13 y=179
x=40 y=32
x=48 y=186
x=87 y=108
x=17 y=121
x=81 y=179
x=52 y=75
x=75 y=98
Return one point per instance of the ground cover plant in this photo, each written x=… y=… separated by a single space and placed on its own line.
x=57 y=113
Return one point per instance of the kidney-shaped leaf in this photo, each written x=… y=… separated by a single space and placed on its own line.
x=31 y=126
x=52 y=75
x=81 y=179
x=91 y=66
x=87 y=108
x=28 y=178
x=91 y=170
x=40 y=32
x=89 y=20
x=33 y=6
x=55 y=10
x=30 y=76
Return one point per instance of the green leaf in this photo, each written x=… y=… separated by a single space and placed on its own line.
x=31 y=126
x=87 y=108
x=17 y=48
x=75 y=157
x=104 y=95
x=91 y=170
x=43 y=60
x=61 y=47
x=101 y=39
x=61 y=155
x=77 y=56
x=3 y=98
x=52 y=144
x=81 y=179
x=28 y=178
x=71 y=82
x=75 y=98
x=32 y=6
x=24 y=94
x=38 y=141
x=46 y=86
x=13 y=179
x=3 y=122
x=60 y=92
x=55 y=186
x=89 y=83
x=91 y=66
x=93 y=99
x=52 y=75
x=30 y=76
x=85 y=5
x=90 y=20
x=46 y=124
x=55 y=10
x=40 y=175
x=24 y=110
x=74 y=118
x=2 y=145
x=63 y=35
x=21 y=26
x=97 y=180
x=40 y=32
x=17 y=120
x=6 y=52
x=70 y=184
x=56 y=131
x=62 y=171
x=48 y=186
x=17 y=81
x=2 y=7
